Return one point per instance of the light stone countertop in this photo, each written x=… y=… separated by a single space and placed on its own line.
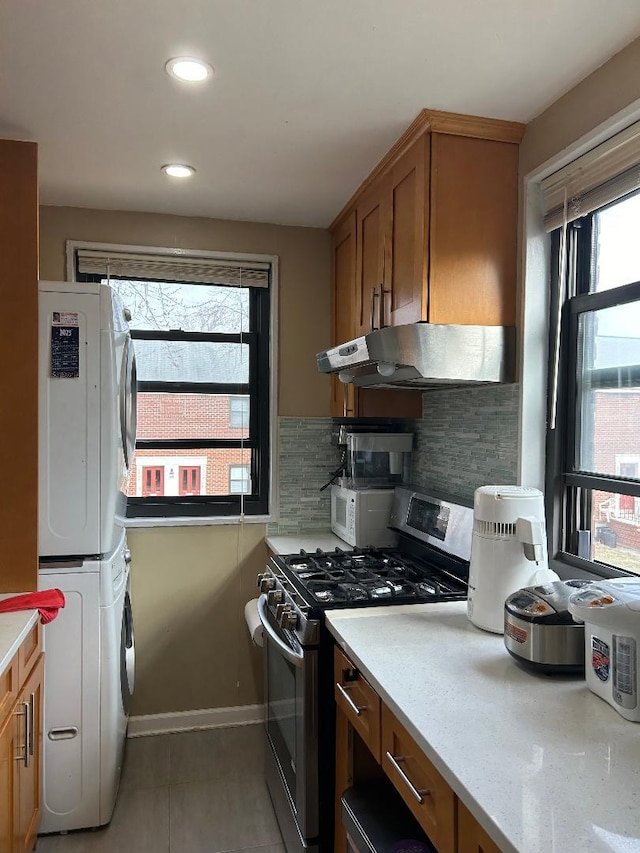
x=14 y=627
x=544 y=765
x=292 y=544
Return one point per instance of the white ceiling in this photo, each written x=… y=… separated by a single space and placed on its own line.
x=308 y=94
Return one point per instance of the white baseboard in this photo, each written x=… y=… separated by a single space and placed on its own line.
x=187 y=721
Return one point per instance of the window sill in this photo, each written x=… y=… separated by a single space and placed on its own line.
x=187 y=521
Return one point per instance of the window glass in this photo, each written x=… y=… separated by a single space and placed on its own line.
x=203 y=471
x=192 y=361
x=608 y=387
x=615 y=530
x=190 y=416
x=616 y=248
x=184 y=307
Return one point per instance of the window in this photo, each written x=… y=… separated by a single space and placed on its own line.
x=239 y=479
x=200 y=327
x=593 y=470
x=239 y=412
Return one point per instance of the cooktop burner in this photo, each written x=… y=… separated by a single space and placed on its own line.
x=372 y=575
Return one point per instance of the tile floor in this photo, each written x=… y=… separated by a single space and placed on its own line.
x=197 y=792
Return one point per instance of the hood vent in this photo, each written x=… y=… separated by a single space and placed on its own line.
x=424 y=355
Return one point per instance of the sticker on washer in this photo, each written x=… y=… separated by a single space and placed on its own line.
x=65 y=345
x=65 y=318
x=600 y=658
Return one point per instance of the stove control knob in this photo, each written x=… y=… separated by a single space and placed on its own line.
x=289 y=620
x=267 y=583
x=280 y=610
x=274 y=596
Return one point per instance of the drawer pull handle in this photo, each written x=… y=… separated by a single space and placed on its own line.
x=26 y=758
x=357 y=709
x=395 y=762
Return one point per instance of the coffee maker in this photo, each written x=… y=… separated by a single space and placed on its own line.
x=508 y=550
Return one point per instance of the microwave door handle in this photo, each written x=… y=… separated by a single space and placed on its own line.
x=296 y=658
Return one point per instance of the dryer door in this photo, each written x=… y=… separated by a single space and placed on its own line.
x=127 y=654
x=128 y=406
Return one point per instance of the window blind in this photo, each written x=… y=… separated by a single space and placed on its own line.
x=599 y=177
x=179 y=268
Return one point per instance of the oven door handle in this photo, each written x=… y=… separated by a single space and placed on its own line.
x=296 y=658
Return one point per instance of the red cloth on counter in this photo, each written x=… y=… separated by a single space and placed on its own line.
x=47 y=603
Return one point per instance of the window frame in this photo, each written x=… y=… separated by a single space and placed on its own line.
x=261 y=388
x=567 y=489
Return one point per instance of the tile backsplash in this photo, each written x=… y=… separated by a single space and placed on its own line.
x=467 y=437
x=306 y=460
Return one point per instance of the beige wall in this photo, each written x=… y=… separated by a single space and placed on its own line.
x=190 y=584
x=305 y=278
x=189 y=588
x=611 y=88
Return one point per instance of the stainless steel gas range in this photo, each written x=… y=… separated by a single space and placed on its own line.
x=431 y=563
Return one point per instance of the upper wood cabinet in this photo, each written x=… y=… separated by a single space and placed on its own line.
x=406 y=247
x=19 y=349
x=435 y=227
x=370 y=259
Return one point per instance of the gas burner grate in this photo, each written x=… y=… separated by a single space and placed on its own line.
x=369 y=576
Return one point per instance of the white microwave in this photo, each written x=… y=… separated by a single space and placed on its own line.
x=361 y=516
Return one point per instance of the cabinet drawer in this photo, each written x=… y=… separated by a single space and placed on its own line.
x=423 y=789
x=8 y=688
x=29 y=651
x=471 y=836
x=358 y=701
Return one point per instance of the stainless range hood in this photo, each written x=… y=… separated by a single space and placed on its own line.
x=424 y=355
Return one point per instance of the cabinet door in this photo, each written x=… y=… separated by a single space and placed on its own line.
x=423 y=789
x=471 y=836
x=8 y=780
x=358 y=701
x=344 y=298
x=473 y=225
x=29 y=771
x=405 y=287
x=370 y=223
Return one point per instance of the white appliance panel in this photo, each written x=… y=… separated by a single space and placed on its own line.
x=83 y=424
x=71 y=777
x=69 y=475
x=85 y=720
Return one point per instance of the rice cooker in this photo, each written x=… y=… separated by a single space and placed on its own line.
x=539 y=630
x=610 y=610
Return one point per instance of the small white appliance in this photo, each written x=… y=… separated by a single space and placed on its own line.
x=87 y=384
x=508 y=550
x=361 y=516
x=89 y=681
x=610 y=610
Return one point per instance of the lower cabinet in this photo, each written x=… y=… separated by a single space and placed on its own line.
x=372 y=743
x=21 y=746
x=471 y=836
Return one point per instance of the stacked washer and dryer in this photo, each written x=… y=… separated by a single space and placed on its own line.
x=87 y=394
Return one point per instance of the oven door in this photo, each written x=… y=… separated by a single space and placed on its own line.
x=291 y=697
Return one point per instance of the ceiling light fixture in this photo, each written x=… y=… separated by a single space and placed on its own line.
x=188 y=69
x=178 y=170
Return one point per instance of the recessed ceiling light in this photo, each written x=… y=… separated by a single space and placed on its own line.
x=178 y=170
x=189 y=69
